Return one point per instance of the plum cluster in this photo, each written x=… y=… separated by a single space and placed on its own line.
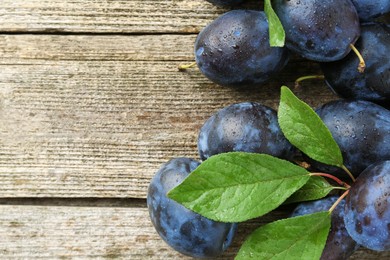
x=362 y=130
x=362 y=219
x=245 y=127
x=234 y=51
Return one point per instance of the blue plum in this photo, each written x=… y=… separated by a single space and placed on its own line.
x=369 y=9
x=362 y=131
x=339 y=245
x=245 y=127
x=187 y=232
x=225 y=2
x=367 y=208
x=319 y=30
x=374 y=84
x=234 y=50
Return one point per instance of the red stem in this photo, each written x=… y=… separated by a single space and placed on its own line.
x=340 y=182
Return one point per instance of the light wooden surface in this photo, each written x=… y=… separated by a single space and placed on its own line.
x=91 y=104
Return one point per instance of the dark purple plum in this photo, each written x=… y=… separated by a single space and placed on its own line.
x=319 y=30
x=369 y=9
x=225 y=2
x=234 y=50
x=362 y=131
x=367 y=208
x=339 y=245
x=374 y=84
x=245 y=127
x=187 y=232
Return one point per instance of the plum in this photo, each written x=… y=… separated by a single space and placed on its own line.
x=234 y=50
x=245 y=127
x=319 y=30
x=369 y=9
x=374 y=84
x=362 y=131
x=184 y=230
x=367 y=208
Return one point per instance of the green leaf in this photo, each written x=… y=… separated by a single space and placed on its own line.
x=300 y=238
x=315 y=188
x=237 y=186
x=305 y=130
x=276 y=31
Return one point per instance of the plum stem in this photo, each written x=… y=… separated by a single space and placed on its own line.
x=338 y=201
x=303 y=164
x=303 y=78
x=362 y=63
x=330 y=176
x=187 y=66
x=348 y=172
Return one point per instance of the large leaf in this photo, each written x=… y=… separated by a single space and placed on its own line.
x=237 y=186
x=299 y=238
x=305 y=130
x=276 y=31
x=315 y=188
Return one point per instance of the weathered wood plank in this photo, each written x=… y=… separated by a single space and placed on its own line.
x=16 y=49
x=100 y=232
x=84 y=116
x=86 y=16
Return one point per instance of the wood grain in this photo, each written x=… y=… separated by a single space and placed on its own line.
x=109 y=16
x=101 y=232
x=96 y=116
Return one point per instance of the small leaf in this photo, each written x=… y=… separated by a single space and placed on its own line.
x=302 y=237
x=276 y=31
x=305 y=129
x=237 y=186
x=315 y=188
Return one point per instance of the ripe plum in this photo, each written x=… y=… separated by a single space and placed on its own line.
x=246 y=127
x=184 y=230
x=369 y=9
x=367 y=208
x=374 y=84
x=234 y=50
x=319 y=30
x=362 y=131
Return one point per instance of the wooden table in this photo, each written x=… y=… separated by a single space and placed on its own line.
x=91 y=104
